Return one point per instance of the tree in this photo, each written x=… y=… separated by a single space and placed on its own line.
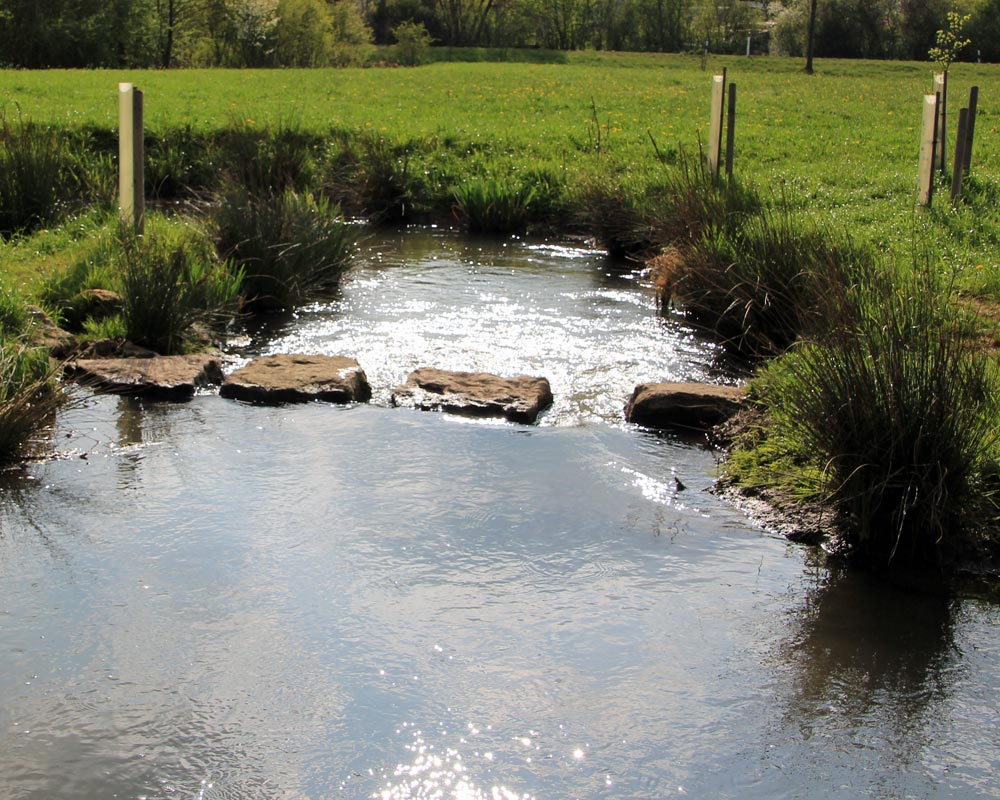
x=412 y=41
x=463 y=20
x=302 y=34
x=811 y=37
x=950 y=41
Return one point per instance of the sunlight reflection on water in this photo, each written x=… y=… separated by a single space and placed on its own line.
x=558 y=312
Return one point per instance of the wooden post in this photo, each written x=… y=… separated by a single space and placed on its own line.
x=715 y=128
x=956 y=171
x=970 y=130
x=925 y=181
x=131 y=192
x=731 y=130
x=941 y=151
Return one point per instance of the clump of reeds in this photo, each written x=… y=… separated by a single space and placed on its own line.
x=34 y=175
x=264 y=161
x=898 y=412
x=179 y=161
x=490 y=204
x=170 y=281
x=753 y=280
x=290 y=246
x=634 y=218
x=371 y=177
x=29 y=398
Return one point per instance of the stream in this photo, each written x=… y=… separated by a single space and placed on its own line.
x=214 y=599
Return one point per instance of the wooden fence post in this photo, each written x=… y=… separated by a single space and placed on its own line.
x=970 y=130
x=957 y=170
x=925 y=180
x=131 y=191
x=941 y=151
x=715 y=128
x=731 y=131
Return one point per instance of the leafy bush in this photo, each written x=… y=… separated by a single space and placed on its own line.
x=412 y=43
x=291 y=247
x=170 y=280
x=899 y=412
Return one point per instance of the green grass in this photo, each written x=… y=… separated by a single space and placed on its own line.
x=841 y=144
x=886 y=414
x=289 y=247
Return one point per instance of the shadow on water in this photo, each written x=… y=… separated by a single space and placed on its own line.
x=868 y=669
x=859 y=641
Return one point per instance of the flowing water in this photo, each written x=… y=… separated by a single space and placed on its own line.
x=219 y=600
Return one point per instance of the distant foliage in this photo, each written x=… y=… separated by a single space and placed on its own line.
x=412 y=43
x=312 y=33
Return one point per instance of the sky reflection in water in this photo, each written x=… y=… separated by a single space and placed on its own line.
x=230 y=601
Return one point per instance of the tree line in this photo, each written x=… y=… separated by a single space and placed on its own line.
x=253 y=33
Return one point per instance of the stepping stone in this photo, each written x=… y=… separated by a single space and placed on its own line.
x=299 y=379
x=167 y=377
x=475 y=394
x=697 y=406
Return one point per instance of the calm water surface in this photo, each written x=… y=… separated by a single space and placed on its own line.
x=231 y=601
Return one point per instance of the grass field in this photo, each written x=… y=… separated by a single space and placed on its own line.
x=841 y=144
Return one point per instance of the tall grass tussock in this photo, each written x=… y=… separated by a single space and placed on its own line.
x=29 y=398
x=291 y=247
x=491 y=204
x=170 y=282
x=896 y=414
x=35 y=175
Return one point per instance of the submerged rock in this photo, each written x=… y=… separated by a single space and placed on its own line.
x=694 y=406
x=298 y=379
x=168 y=377
x=475 y=394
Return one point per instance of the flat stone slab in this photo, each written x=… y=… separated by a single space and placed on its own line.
x=694 y=406
x=168 y=377
x=475 y=394
x=299 y=379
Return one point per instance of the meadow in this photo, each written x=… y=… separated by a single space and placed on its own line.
x=841 y=144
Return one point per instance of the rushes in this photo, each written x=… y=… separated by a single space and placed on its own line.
x=29 y=398
x=899 y=413
x=755 y=279
x=494 y=205
x=170 y=281
x=34 y=175
x=291 y=247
